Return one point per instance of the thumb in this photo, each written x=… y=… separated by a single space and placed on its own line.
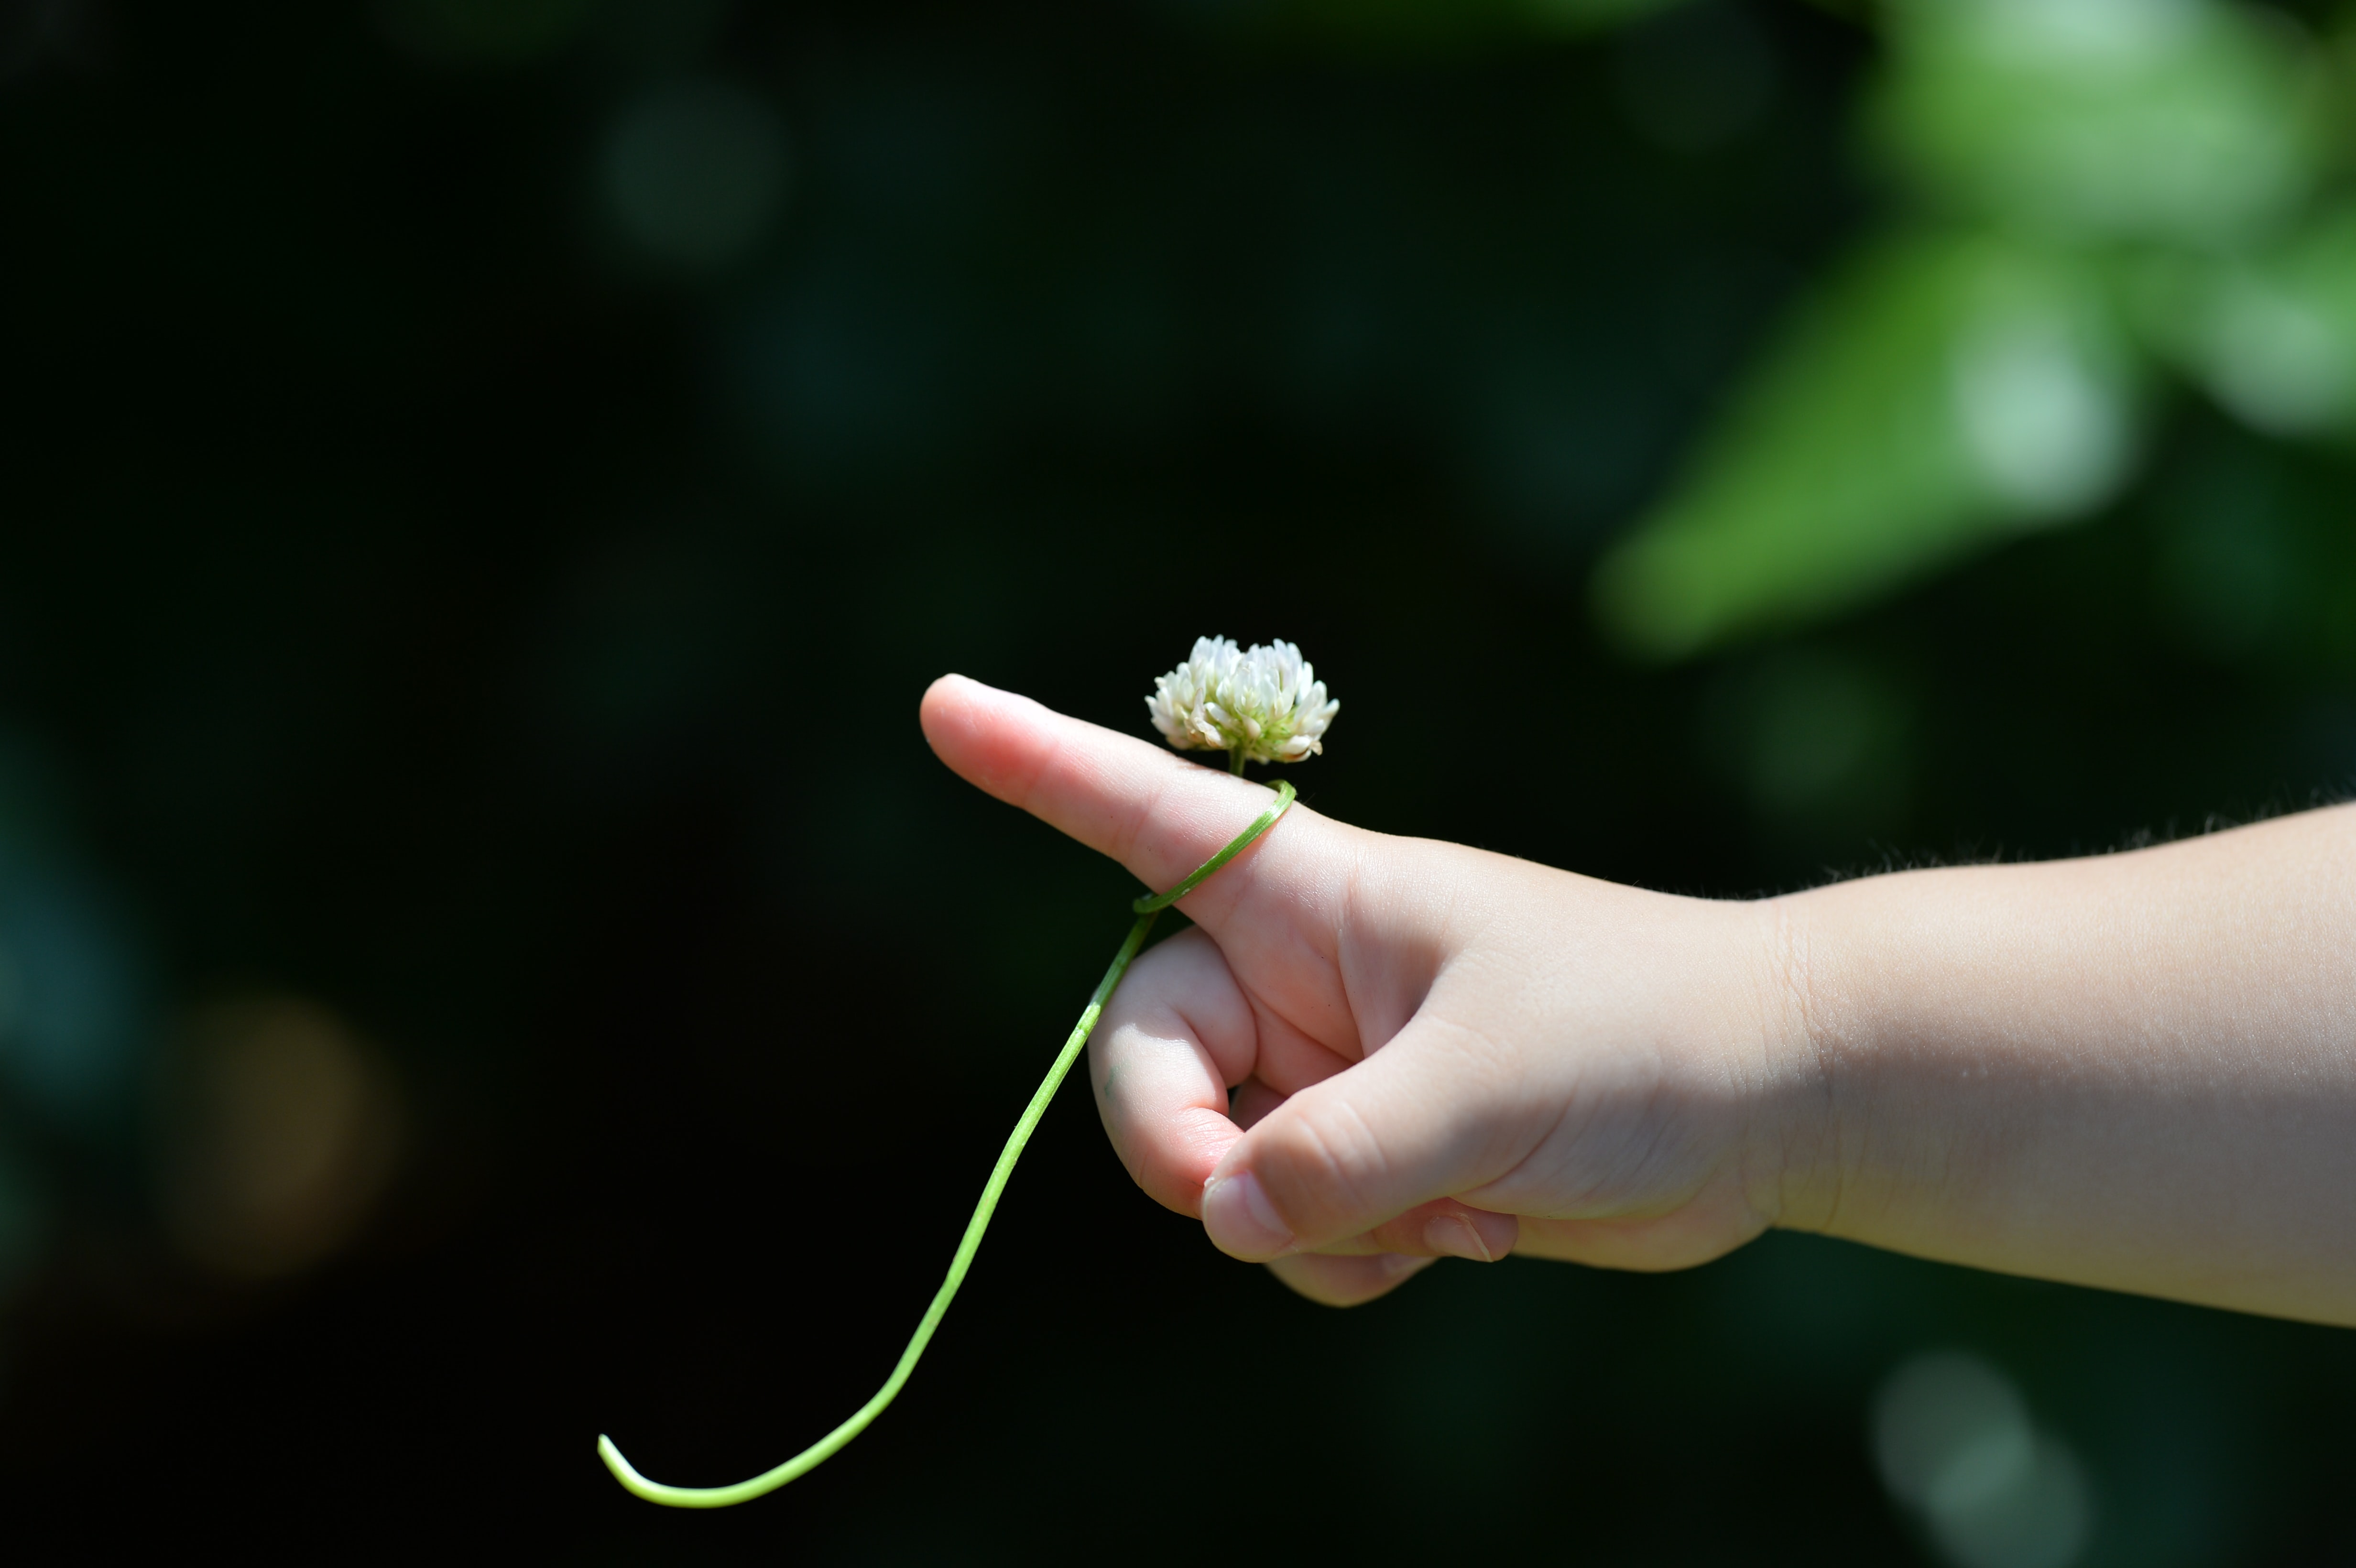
x=1403 y=1127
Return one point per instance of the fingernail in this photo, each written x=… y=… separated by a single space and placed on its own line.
x=1241 y=1220
x=1453 y=1235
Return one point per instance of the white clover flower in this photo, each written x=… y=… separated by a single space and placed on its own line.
x=1264 y=706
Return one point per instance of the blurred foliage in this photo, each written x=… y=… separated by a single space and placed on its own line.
x=1945 y=388
x=2100 y=189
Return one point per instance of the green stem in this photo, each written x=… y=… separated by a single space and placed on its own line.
x=1148 y=910
x=1235 y=761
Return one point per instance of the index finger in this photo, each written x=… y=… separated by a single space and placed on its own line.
x=1156 y=813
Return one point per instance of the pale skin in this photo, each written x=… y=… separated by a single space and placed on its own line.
x=2135 y=1071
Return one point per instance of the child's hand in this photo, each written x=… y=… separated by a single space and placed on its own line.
x=2136 y=1071
x=1432 y=1051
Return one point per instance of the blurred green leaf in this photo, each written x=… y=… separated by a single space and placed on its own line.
x=1948 y=391
x=2272 y=338
x=2169 y=119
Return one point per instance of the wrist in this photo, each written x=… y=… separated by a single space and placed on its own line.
x=1817 y=1042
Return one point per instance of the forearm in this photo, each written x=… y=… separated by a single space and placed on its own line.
x=2136 y=1071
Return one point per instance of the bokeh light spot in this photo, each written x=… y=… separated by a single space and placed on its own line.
x=1953 y=1440
x=2050 y=431
x=694 y=173
x=280 y=1129
x=71 y=995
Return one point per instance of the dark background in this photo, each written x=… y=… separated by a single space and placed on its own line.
x=495 y=621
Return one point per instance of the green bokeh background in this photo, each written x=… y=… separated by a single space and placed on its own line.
x=484 y=483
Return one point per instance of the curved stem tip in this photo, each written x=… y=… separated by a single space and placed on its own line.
x=1148 y=910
